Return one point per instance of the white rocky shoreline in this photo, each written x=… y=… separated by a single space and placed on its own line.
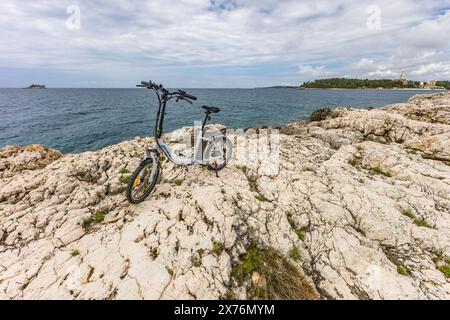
x=360 y=209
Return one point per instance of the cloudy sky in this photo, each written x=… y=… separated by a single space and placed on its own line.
x=220 y=43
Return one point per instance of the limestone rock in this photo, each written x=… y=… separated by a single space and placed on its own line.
x=362 y=195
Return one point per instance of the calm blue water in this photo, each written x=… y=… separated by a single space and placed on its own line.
x=76 y=120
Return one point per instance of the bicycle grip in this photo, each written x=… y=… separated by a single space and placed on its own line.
x=189 y=96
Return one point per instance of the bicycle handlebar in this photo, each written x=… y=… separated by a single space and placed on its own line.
x=180 y=94
x=184 y=94
x=150 y=85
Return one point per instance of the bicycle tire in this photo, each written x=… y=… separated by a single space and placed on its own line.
x=134 y=177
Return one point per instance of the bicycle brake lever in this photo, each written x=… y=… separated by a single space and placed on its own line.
x=181 y=98
x=187 y=100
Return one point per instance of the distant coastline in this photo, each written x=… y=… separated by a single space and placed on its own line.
x=377 y=89
x=354 y=89
x=375 y=84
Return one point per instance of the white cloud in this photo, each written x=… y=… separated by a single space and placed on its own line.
x=128 y=39
x=365 y=64
x=431 y=69
x=128 y=36
x=318 y=71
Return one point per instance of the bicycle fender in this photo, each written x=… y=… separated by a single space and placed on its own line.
x=151 y=154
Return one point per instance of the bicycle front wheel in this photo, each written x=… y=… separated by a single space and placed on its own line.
x=143 y=181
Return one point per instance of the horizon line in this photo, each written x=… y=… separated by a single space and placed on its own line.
x=194 y=88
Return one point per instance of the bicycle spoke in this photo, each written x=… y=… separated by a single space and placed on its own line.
x=142 y=186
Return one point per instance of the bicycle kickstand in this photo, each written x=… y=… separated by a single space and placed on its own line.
x=215 y=169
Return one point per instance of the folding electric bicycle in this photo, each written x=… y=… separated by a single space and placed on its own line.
x=211 y=150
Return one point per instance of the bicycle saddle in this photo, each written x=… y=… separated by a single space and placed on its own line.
x=211 y=109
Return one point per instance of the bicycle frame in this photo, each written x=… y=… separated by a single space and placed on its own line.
x=197 y=156
x=139 y=179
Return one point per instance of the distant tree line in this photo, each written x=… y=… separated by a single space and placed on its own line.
x=445 y=84
x=344 y=83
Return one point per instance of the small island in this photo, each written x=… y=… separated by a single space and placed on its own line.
x=36 y=86
x=382 y=84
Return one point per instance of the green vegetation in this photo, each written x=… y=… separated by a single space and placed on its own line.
x=251 y=178
x=86 y=224
x=409 y=214
x=444 y=84
x=217 y=248
x=423 y=223
x=259 y=293
x=75 y=253
x=80 y=174
x=251 y=261
x=442 y=263
x=378 y=170
x=404 y=271
x=99 y=216
x=344 y=83
x=418 y=222
x=124 y=171
x=354 y=162
x=178 y=182
x=261 y=198
x=278 y=278
x=230 y=295
x=90 y=274
x=412 y=151
x=294 y=254
x=197 y=262
x=445 y=270
x=299 y=232
x=124 y=180
x=291 y=220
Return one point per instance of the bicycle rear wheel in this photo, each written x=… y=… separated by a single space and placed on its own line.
x=143 y=181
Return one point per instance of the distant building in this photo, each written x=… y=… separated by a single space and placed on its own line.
x=402 y=78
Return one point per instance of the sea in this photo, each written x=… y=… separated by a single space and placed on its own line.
x=78 y=120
